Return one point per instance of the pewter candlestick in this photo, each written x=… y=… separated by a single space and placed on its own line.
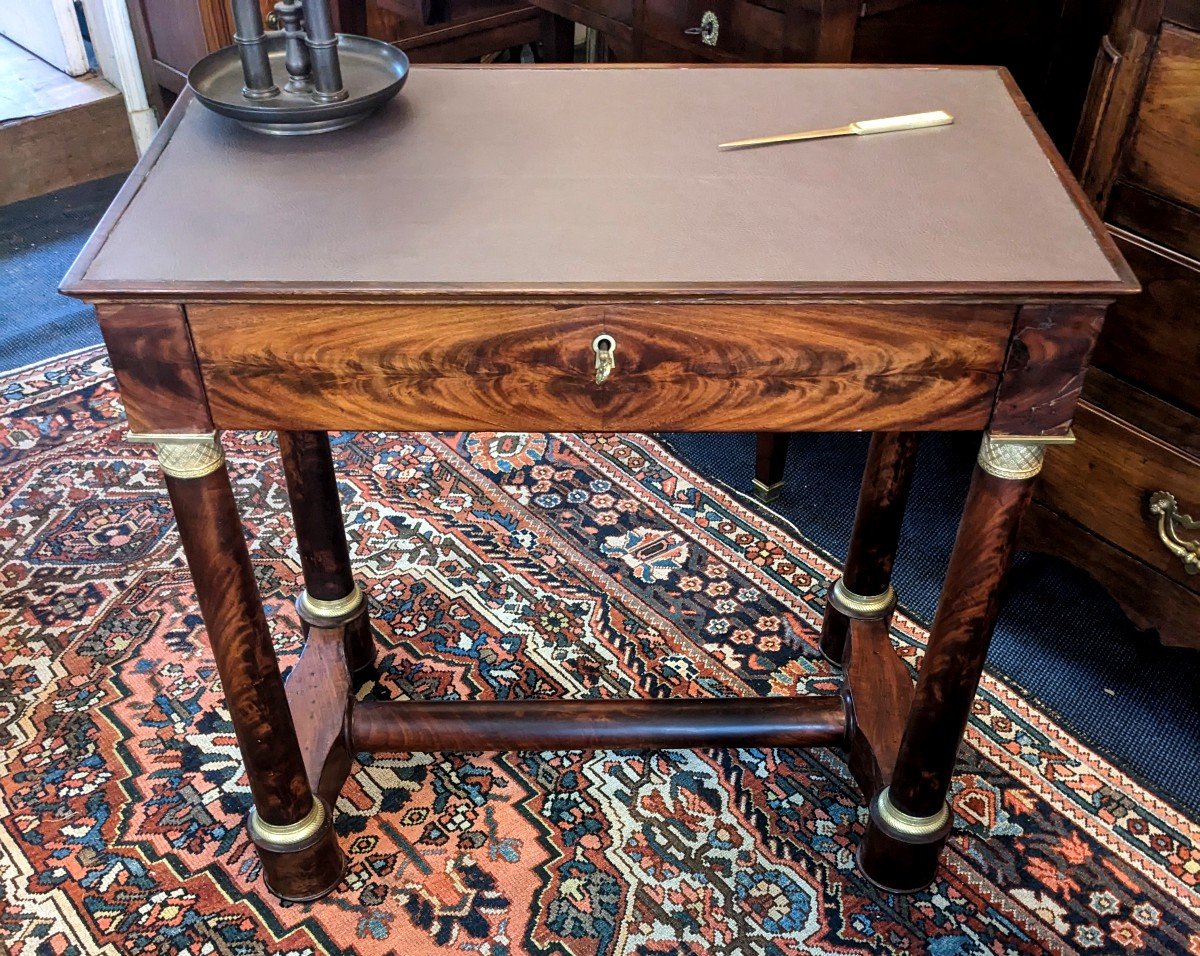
x=329 y=80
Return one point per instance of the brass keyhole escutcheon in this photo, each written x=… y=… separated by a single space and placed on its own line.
x=709 y=29
x=605 y=347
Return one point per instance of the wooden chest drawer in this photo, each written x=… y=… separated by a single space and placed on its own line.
x=720 y=29
x=1153 y=338
x=1163 y=154
x=1105 y=481
x=533 y=368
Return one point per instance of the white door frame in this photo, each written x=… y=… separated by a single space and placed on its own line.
x=116 y=53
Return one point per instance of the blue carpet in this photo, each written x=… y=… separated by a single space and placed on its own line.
x=39 y=238
x=1060 y=639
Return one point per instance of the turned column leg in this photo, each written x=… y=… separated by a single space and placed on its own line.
x=291 y=829
x=910 y=818
x=330 y=597
x=864 y=591
x=770 y=459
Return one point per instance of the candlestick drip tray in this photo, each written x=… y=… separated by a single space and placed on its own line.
x=372 y=72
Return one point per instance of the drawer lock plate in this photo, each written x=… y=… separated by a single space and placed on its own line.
x=605 y=347
x=1170 y=521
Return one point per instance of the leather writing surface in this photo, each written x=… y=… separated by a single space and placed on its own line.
x=611 y=177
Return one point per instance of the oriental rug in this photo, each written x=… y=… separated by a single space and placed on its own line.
x=500 y=566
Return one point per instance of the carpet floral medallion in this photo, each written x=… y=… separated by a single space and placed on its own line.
x=499 y=566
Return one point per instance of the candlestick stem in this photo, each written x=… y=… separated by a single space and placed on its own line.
x=322 y=49
x=248 y=35
x=299 y=67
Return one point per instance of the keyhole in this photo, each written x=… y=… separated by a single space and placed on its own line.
x=605 y=347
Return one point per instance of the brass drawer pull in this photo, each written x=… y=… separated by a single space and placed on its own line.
x=709 y=29
x=605 y=347
x=1163 y=504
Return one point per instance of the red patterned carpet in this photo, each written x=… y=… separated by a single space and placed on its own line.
x=499 y=566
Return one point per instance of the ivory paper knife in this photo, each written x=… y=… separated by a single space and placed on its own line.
x=888 y=124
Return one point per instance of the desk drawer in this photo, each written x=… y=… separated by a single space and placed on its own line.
x=1104 y=483
x=532 y=368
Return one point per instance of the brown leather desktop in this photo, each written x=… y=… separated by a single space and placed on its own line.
x=531 y=248
x=607 y=178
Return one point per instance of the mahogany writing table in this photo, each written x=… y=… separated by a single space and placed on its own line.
x=565 y=249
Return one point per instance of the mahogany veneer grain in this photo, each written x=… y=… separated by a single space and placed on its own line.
x=712 y=367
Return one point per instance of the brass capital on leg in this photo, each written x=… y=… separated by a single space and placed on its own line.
x=1017 y=457
x=185 y=455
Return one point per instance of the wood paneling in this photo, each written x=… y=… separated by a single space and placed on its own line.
x=789 y=368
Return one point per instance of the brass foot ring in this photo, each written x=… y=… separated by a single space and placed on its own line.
x=329 y=613
x=767 y=493
x=904 y=826
x=292 y=836
x=863 y=607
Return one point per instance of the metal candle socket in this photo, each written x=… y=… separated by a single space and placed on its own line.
x=312 y=50
x=303 y=78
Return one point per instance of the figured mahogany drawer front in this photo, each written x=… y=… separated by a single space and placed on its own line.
x=528 y=368
x=716 y=29
x=1106 y=479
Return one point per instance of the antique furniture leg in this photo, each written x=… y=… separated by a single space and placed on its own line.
x=864 y=591
x=910 y=818
x=330 y=597
x=291 y=829
x=770 y=458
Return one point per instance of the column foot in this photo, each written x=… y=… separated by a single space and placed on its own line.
x=767 y=493
x=303 y=862
x=900 y=853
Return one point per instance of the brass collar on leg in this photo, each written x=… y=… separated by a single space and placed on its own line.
x=905 y=824
x=864 y=607
x=331 y=609
x=292 y=834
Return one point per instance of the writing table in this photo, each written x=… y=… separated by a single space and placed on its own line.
x=565 y=249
